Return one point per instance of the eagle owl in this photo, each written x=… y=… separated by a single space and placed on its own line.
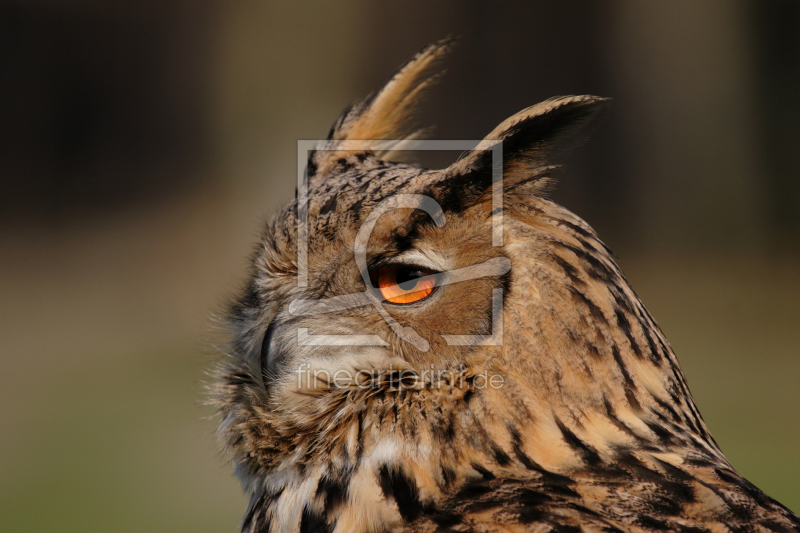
x=449 y=350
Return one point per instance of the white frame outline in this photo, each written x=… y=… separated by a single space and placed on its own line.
x=304 y=148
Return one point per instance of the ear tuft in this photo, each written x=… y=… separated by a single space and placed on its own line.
x=531 y=139
x=387 y=113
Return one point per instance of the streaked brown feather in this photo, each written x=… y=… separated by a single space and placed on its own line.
x=593 y=428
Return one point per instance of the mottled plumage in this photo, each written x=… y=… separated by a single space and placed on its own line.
x=589 y=424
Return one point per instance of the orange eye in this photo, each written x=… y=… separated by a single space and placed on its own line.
x=401 y=284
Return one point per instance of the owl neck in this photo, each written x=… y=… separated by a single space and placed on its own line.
x=384 y=463
x=593 y=365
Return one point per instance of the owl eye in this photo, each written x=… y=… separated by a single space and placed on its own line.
x=402 y=284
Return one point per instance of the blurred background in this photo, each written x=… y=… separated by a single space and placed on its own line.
x=143 y=144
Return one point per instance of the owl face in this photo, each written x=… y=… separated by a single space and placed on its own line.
x=398 y=267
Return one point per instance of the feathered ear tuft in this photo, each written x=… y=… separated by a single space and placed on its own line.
x=530 y=140
x=386 y=114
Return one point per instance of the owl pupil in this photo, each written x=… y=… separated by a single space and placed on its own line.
x=407 y=277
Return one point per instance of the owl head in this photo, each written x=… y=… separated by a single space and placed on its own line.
x=436 y=324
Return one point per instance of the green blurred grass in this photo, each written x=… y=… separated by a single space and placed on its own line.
x=119 y=445
x=734 y=324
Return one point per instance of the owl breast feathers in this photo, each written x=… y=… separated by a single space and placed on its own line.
x=448 y=350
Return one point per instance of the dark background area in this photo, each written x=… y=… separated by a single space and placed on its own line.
x=143 y=143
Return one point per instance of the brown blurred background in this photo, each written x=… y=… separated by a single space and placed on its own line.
x=143 y=143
